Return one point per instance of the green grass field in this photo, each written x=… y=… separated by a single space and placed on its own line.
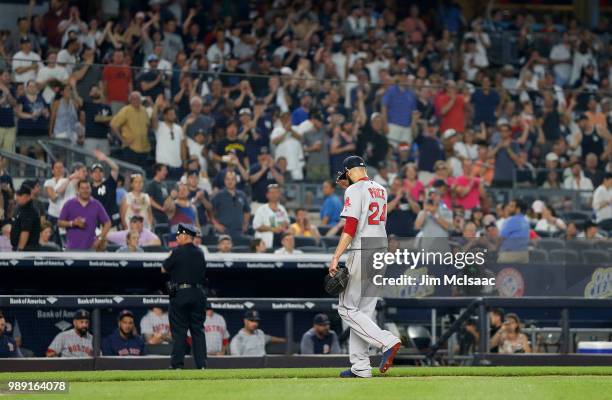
x=473 y=383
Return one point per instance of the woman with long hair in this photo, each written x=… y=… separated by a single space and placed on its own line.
x=64 y=123
x=136 y=202
x=509 y=338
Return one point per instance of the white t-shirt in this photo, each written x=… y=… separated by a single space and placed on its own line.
x=468 y=151
x=21 y=59
x=55 y=207
x=602 y=196
x=284 y=252
x=216 y=332
x=265 y=216
x=291 y=149
x=64 y=57
x=168 y=147
x=562 y=52
x=44 y=74
x=366 y=201
x=195 y=149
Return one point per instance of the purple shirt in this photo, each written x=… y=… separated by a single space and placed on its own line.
x=93 y=213
x=119 y=237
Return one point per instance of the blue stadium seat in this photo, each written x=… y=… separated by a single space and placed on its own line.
x=330 y=242
x=312 y=249
x=301 y=241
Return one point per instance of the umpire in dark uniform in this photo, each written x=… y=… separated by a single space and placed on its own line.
x=186 y=266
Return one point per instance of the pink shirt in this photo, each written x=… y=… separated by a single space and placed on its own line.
x=118 y=237
x=472 y=199
x=415 y=189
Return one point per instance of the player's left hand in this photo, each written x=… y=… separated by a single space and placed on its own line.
x=333 y=266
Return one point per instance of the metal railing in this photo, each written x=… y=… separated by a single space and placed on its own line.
x=70 y=154
x=24 y=167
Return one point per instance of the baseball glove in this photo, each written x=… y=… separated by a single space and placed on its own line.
x=334 y=285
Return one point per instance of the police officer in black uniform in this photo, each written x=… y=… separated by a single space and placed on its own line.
x=186 y=266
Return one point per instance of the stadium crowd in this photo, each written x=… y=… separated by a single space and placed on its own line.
x=222 y=107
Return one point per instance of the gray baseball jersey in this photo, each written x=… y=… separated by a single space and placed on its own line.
x=366 y=201
x=152 y=323
x=71 y=344
x=254 y=344
x=216 y=333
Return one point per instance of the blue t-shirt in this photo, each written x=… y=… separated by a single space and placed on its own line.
x=400 y=105
x=298 y=116
x=332 y=207
x=115 y=345
x=484 y=107
x=7 y=113
x=515 y=233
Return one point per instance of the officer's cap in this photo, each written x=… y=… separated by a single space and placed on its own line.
x=187 y=230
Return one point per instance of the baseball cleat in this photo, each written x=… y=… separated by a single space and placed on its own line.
x=387 y=358
x=348 y=374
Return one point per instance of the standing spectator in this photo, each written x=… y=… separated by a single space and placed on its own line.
x=485 y=101
x=602 y=199
x=124 y=341
x=315 y=146
x=8 y=103
x=271 y=219
x=97 y=115
x=332 y=205
x=467 y=188
x=515 y=235
x=231 y=144
x=261 y=175
x=87 y=75
x=592 y=170
x=169 y=141
x=231 y=213
x=155 y=327
x=303 y=226
x=301 y=113
x=288 y=245
x=153 y=81
x=105 y=190
x=136 y=202
x=402 y=210
x=55 y=189
x=5 y=238
x=33 y=120
x=131 y=125
x=145 y=236
x=64 y=122
x=506 y=156
x=117 y=81
x=398 y=103
x=80 y=217
x=435 y=219
x=51 y=77
x=217 y=335
x=250 y=340
x=180 y=209
x=26 y=62
x=76 y=342
x=561 y=60
x=26 y=224
x=474 y=59
x=158 y=193
x=320 y=339
x=450 y=107
x=342 y=145
x=288 y=144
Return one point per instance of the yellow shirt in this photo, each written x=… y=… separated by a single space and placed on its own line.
x=297 y=230
x=134 y=126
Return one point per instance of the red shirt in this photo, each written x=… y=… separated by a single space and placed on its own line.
x=455 y=117
x=472 y=199
x=118 y=79
x=50 y=21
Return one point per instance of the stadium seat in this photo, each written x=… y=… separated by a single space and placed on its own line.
x=605 y=225
x=323 y=229
x=538 y=255
x=301 y=241
x=420 y=338
x=330 y=242
x=563 y=256
x=579 y=245
x=312 y=249
x=241 y=249
x=161 y=229
x=595 y=256
x=549 y=244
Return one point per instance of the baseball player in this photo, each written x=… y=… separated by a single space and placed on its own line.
x=77 y=342
x=365 y=213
